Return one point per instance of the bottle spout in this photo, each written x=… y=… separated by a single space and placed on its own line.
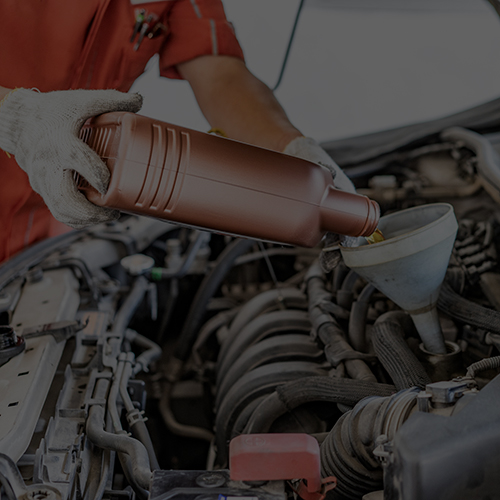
x=348 y=213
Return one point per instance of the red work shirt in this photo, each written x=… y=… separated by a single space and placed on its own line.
x=58 y=45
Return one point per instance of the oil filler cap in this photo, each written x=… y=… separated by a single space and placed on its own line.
x=268 y=457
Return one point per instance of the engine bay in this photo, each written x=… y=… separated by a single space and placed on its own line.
x=133 y=353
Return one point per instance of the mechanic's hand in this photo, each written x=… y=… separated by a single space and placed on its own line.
x=308 y=149
x=41 y=130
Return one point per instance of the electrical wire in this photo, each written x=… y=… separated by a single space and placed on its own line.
x=289 y=46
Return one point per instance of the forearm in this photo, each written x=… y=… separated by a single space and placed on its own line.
x=234 y=100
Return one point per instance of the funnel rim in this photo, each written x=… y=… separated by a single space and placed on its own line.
x=449 y=213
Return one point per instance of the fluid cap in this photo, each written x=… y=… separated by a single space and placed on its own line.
x=137 y=264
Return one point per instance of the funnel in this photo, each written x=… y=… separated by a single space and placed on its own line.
x=410 y=265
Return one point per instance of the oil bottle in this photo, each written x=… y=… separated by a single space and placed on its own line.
x=197 y=179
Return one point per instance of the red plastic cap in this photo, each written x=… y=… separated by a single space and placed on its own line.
x=267 y=457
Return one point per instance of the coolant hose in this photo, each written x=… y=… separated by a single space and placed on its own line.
x=289 y=396
x=141 y=433
x=130 y=304
x=466 y=311
x=121 y=443
x=152 y=351
x=134 y=416
x=388 y=338
x=205 y=292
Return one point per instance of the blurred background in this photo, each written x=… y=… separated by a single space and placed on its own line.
x=355 y=66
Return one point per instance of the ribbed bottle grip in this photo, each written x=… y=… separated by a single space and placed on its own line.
x=162 y=171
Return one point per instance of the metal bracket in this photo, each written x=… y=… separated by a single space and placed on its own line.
x=61 y=330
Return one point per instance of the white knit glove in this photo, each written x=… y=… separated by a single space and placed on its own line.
x=41 y=130
x=308 y=149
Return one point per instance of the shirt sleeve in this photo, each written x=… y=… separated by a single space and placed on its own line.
x=196 y=28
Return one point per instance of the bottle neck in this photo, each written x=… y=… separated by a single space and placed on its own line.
x=348 y=213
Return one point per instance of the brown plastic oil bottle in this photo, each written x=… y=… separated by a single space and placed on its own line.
x=193 y=178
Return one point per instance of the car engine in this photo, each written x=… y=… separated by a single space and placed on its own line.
x=136 y=356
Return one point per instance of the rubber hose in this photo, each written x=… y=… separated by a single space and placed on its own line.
x=176 y=427
x=388 y=338
x=345 y=295
x=205 y=292
x=141 y=433
x=316 y=291
x=128 y=471
x=330 y=332
x=213 y=325
x=152 y=351
x=484 y=364
x=357 y=319
x=466 y=311
x=337 y=349
x=339 y=274
x=121 y=443
x=311 y=389
x=130 y=304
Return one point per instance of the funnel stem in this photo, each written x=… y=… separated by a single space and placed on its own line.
x=429 y=329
